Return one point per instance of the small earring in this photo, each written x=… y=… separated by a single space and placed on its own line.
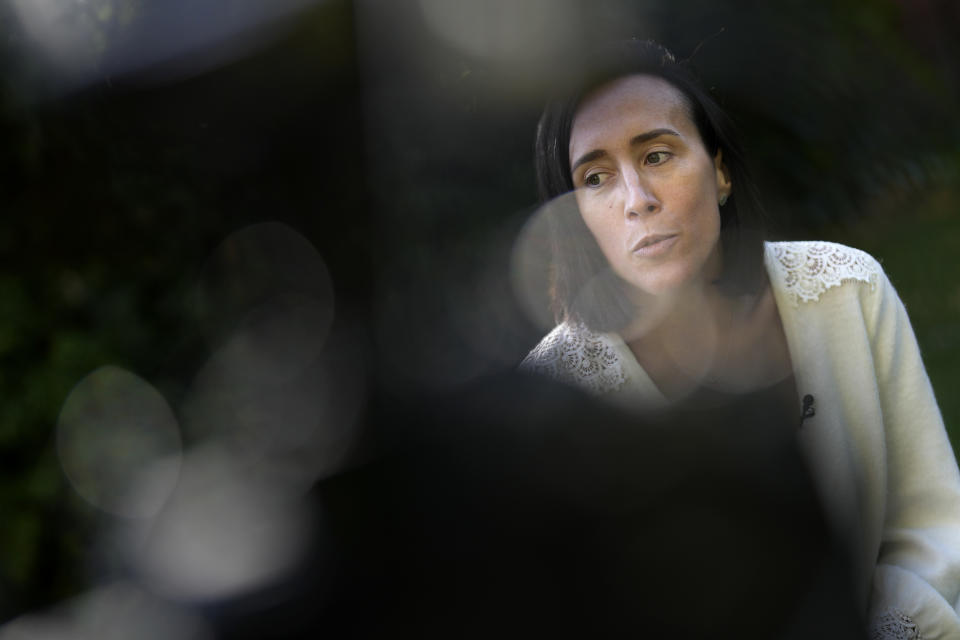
x=723 y=200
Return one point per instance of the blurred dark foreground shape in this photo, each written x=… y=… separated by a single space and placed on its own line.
x=520 y=509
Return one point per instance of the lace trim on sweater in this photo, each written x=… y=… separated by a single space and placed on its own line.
x=572 y=353
x=808 y=269
x=894 y=625
x=576 y=355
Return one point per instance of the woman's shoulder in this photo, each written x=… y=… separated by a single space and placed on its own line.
x=802 y=271
x=573 y=354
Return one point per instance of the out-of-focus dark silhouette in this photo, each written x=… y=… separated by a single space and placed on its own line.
x=518 y=508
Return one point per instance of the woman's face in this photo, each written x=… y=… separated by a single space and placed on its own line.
x=646 y=186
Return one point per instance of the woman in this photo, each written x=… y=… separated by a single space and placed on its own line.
x=665 y=291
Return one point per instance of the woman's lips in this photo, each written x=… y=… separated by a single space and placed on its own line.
x=654 y=245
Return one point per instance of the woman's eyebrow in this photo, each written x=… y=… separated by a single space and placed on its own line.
x=587 y=157
x=634 y=141
x=650 y=135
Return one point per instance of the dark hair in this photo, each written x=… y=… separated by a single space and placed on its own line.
x=583 y=286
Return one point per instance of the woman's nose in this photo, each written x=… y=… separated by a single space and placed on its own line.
x=639 y=199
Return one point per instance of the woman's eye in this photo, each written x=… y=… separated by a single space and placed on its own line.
x=657 y=157
x=593 y=180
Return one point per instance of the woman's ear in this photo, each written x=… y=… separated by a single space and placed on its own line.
x=724 y=185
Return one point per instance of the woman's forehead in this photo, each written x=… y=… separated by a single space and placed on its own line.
x=638 y=101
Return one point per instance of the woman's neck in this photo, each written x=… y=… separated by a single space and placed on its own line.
x=705 y=338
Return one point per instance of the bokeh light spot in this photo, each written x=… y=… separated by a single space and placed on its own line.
x=531 y=263
x=503 y=29
x=119 y=611
x=255 y=277
x=114 y=425
x=223 y=532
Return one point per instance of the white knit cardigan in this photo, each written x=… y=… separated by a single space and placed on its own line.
x=877 y=445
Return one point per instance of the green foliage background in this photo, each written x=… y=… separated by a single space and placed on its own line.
x=113 y=195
